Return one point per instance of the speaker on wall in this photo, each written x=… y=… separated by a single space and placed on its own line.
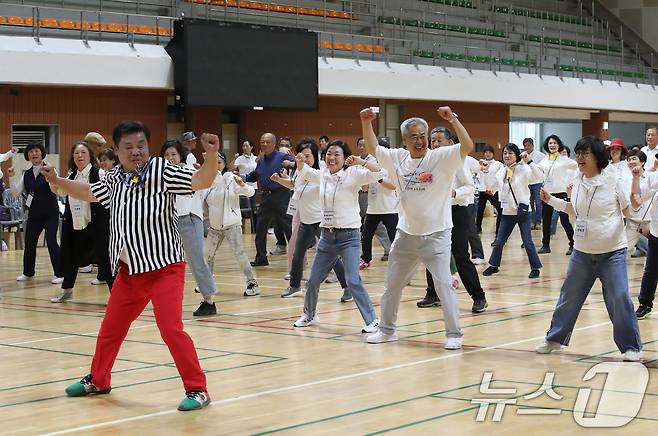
x=237 y=66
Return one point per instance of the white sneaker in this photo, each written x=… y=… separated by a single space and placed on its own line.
x=86 y=269
x=331 y=277
x=286 y=277
x=304 y=321
x=477 y=261
x=547 y=347
x=57 y=280
x=453 y=344
x=98 y=282
x=63 y=297
x=24 y=278
x=372 y=327
x=252 y=290
x=279 y=250
x=380 y=337
x=632 y=356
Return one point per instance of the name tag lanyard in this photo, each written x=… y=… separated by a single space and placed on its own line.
x=397 y=176
x=324 y=194
x=590 y=202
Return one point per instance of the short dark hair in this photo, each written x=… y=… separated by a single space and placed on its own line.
x=446 y=132
x=32 y=145
x=568 y=150
x=247 y=141
x=557 y=139
x=285 y=138
x=595 y=146
x=636 y=147
x=488 y=147
x=528 y=141
x=174 y=143
x=343 y=146
x=92 y=158
x=313 y=146
x=323 y=137
x=128 y=128
x=222 y=156
x=384 y=142
x=109 y=154
x=639 y=154
x=510 y=146
x=652 y=128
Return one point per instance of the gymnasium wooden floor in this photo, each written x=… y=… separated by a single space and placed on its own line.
x=265 y=377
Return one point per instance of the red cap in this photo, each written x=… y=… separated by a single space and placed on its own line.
x=618 y=142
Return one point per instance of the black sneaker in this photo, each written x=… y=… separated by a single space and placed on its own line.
x=533 y=274
x=384 y=258
x=643 y=311
x=491 y=270
x=429 y=301
x=544 y=250
x=479 y=305
x=569 y=251
x=259 y=262
x=493 y=243
x=205 y=309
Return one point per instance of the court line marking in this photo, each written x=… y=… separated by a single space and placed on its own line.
x=311 y=384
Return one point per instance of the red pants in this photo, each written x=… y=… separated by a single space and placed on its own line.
x=130 y=294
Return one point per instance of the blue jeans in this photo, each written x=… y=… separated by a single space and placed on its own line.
x=583 y=270
x=507 y=224
x=535 y=203
x=306 y=239
x=346 y=244
x=190 y=228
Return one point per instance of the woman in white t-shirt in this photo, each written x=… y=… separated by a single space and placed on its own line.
x=512 y=183
x=245 y=163
x=305 y=204
x=339 y=184
x=382 y=208
x=558 y=173
x=599 y=202
x=190 y=225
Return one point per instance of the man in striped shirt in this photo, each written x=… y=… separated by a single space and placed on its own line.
x=146 y=253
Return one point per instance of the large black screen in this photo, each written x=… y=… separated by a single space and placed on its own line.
x=232 y=65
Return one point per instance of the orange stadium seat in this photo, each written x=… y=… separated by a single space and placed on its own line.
x=69 y=24
x=48 y=22
x=368 y=48
x=164 y=31
x=148 y=30
x=3 y=20
x=379 y=49
x=17 y=21
x=325 y=44
x=133 y=29
x=317 y=12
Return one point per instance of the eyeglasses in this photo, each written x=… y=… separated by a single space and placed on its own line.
x=583 y=154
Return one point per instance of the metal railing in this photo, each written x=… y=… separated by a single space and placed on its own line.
x=403 y=43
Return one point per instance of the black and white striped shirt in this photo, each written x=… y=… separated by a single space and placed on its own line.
x=143 y=219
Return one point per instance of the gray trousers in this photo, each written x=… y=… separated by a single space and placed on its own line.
x=234 y=236
x=434 y=251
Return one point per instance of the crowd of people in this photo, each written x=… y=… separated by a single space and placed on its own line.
x=424 y=201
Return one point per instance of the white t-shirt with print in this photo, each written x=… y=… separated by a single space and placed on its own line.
x=382 y=200
x=424 y=186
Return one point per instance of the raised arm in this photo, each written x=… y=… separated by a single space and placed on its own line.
x=464 y=138
x=72 y=188
x=205 y=176
x=558 y=204
x=636 y=193
x=367 y=117
x=283 y=179
x=356 y=160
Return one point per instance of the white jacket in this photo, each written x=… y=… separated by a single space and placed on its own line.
x=464 y=188
x=558 y=173
x=523 y=176
x=223 y=200
x=487 y=179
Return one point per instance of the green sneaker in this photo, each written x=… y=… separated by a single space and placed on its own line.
x=194 y=400
x=85 y=387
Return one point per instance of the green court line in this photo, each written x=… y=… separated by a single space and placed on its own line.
x=586 y=358
x=422 y=421
x=134 y=341
x=356 y=412
x=527 y=406
x=2 y=406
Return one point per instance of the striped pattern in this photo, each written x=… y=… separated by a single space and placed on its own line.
x=143 y=218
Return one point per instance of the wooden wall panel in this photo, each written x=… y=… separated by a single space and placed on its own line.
x=203 y=120
x=80 y=110
x=594 y=126
x=338 y=118
x=485 y=122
